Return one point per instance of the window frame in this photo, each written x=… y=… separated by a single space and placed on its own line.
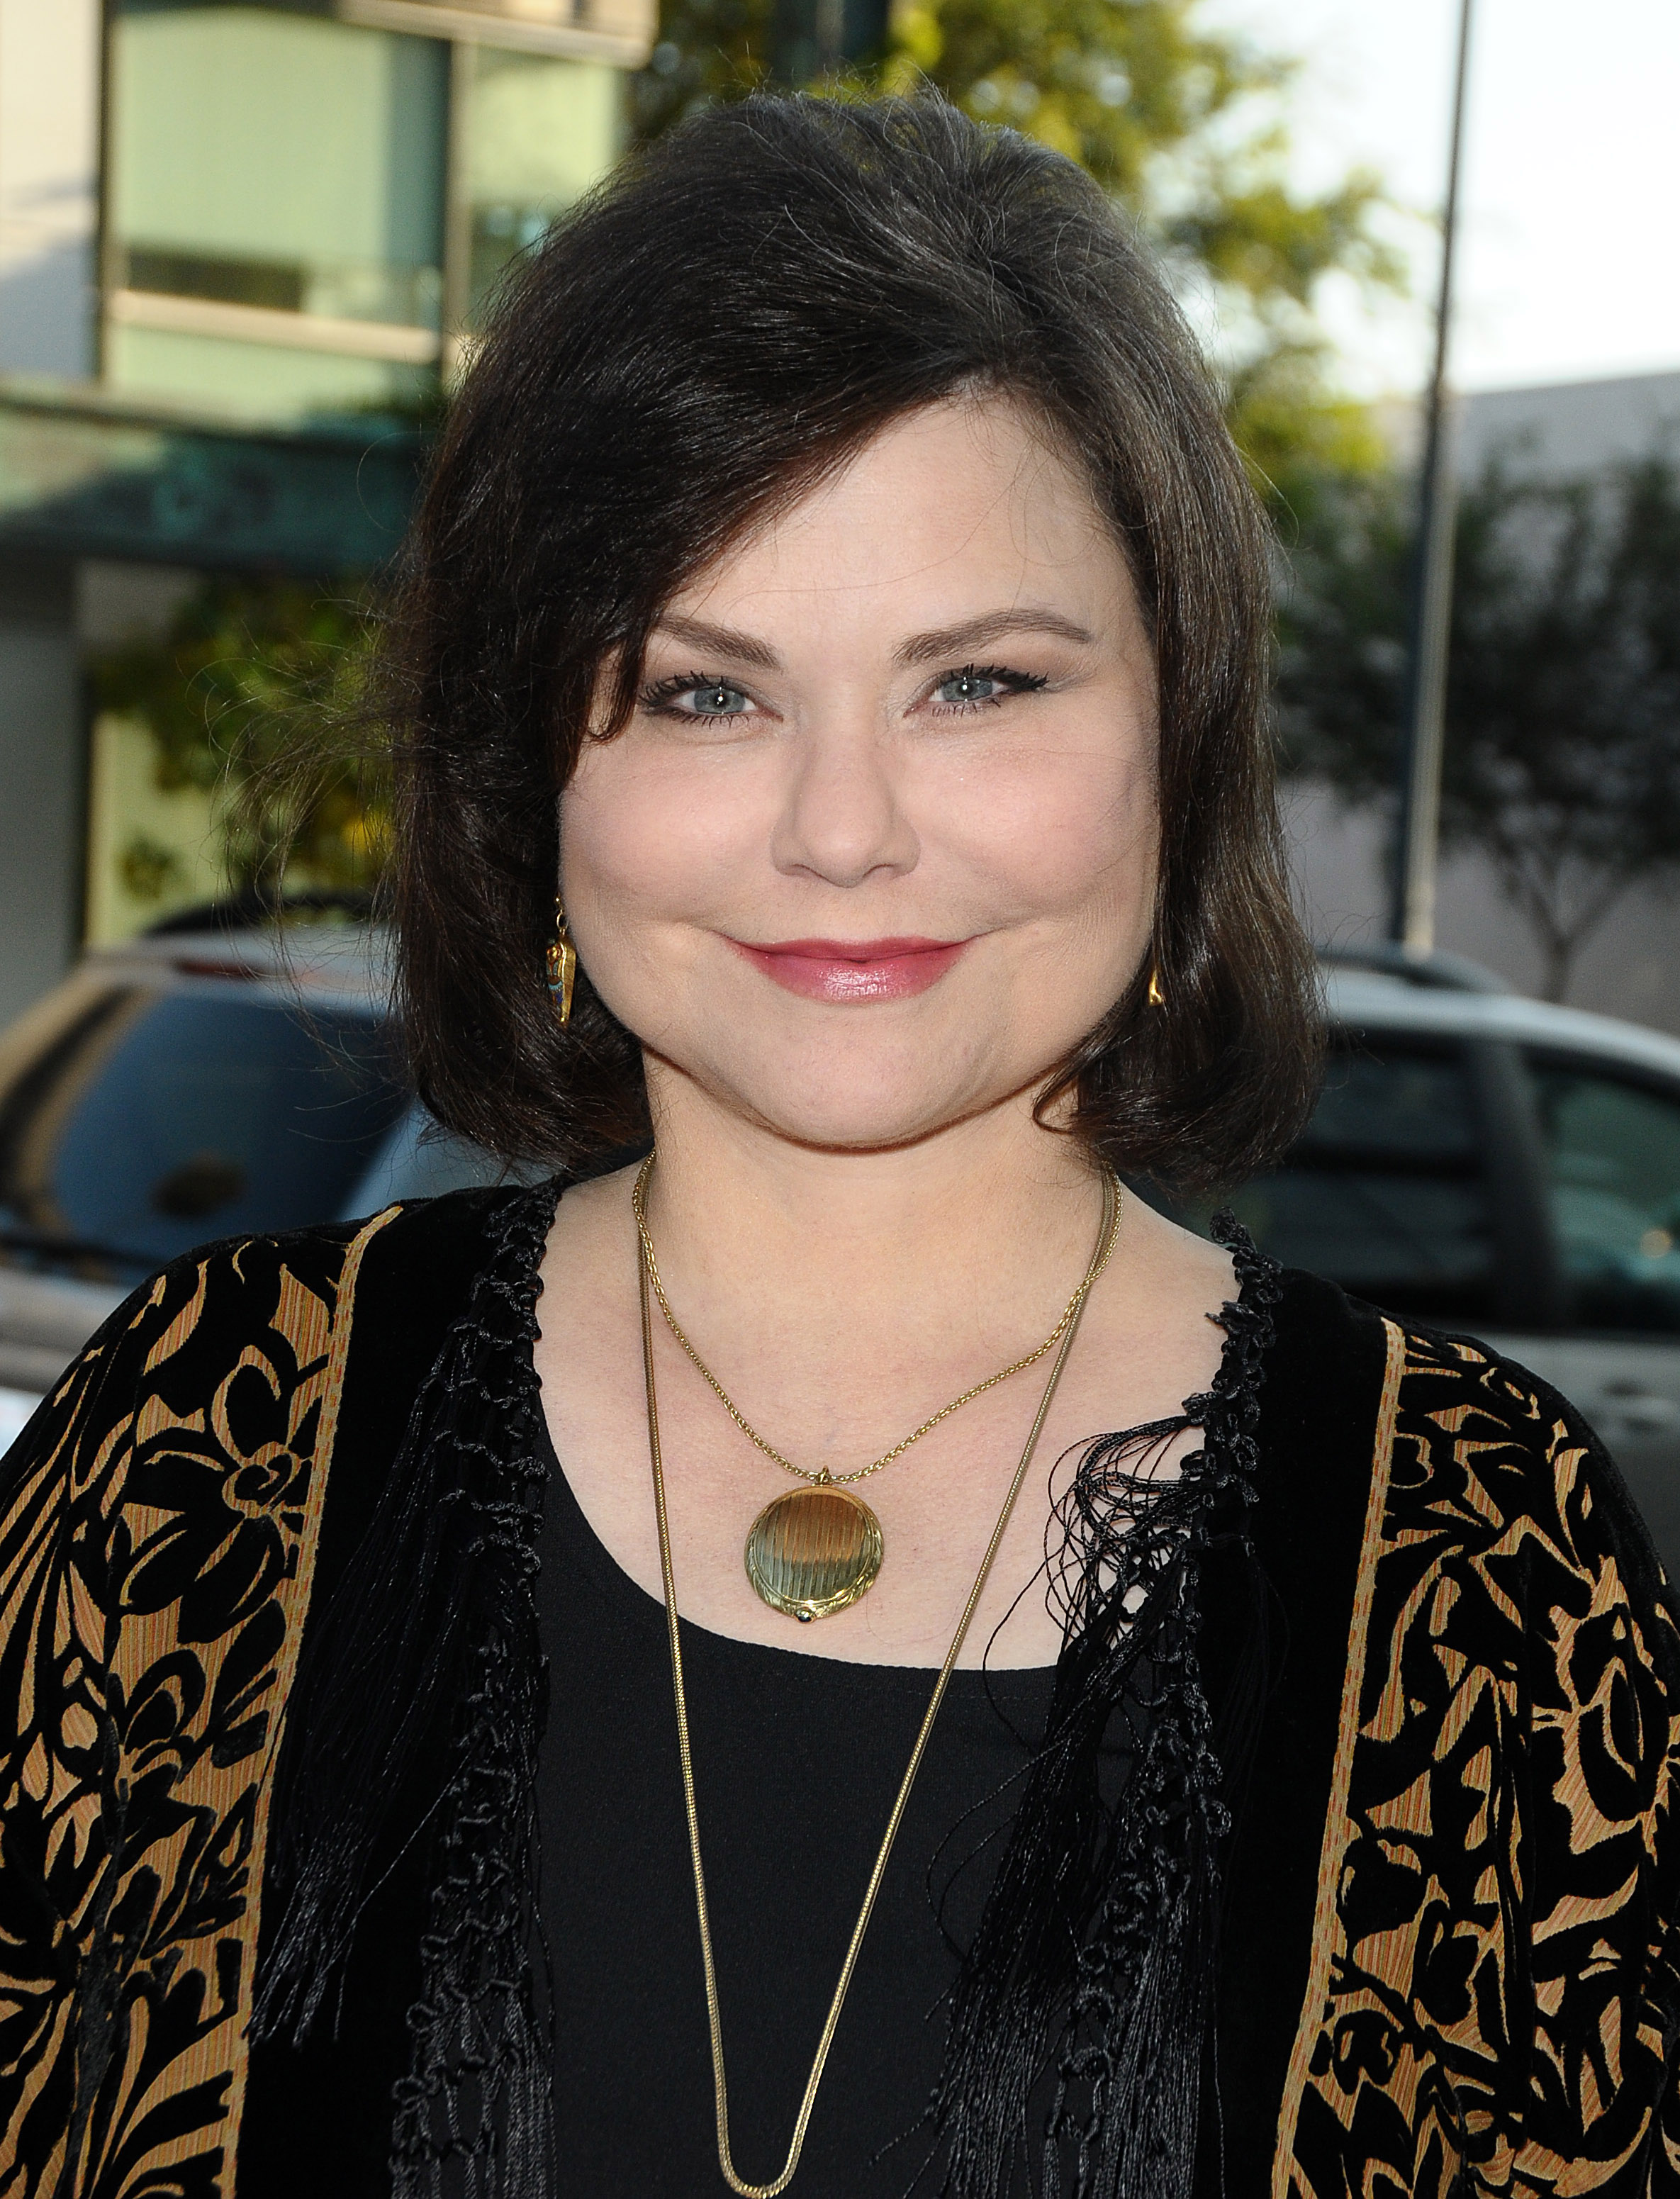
x=1526 y=1280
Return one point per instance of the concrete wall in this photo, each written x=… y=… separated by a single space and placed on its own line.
x=48 y=209
x=1630 y=967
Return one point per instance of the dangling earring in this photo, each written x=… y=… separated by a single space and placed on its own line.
x=1157 y=999
x=561 y=960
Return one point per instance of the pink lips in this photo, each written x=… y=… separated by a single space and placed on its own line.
x=854 y=969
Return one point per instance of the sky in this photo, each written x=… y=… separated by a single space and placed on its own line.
x=1569 y=266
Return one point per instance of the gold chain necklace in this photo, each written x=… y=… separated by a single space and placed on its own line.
x=817 y=1550
x=685 y=1754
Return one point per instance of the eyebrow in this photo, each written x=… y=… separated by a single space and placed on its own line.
x=946 y=642
x=720 y=641
x=940 y=644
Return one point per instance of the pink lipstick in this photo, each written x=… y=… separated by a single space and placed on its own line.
x=854 y=969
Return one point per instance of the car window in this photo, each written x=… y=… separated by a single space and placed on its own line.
x=1612 y=1169
x=1385 y=1192
x=164 y=1119
x=420 y=1161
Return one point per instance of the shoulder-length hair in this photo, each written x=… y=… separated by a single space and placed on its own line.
x=733 y=313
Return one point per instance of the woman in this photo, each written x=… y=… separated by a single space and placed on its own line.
x=835 y=587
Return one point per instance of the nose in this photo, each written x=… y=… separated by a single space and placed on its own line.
x=842 y=819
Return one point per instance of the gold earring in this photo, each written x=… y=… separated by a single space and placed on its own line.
x=1157 y=999
x=561 y=960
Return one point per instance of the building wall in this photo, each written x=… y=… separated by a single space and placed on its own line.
x=1570 y=427
x=302 y=211
x=49 y=205
x=262 y=383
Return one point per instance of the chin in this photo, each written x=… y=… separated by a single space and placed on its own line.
x=830 y=1129
x=860 y=1105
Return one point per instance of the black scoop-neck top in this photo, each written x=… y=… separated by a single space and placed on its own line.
x=796 y=1761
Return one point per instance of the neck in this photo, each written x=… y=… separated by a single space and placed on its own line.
x=985 y=1208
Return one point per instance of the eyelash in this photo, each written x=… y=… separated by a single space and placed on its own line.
x=659 y=696
x=1012 y=683
x=662 y=693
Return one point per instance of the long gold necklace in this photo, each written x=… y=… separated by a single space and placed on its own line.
x=720 y=2086
x=819 y=1549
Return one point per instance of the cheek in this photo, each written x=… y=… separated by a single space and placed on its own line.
x=640 y=836
x=1069 y=829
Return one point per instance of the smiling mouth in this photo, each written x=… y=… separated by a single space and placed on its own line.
x=854 y=969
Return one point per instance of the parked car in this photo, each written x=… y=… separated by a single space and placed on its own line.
x=1497 y=1166
x=1478 y=1161
x=190 y=1085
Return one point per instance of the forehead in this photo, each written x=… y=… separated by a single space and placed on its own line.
x=968 y=496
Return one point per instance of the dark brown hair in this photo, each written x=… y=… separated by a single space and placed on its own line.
x=734 y=312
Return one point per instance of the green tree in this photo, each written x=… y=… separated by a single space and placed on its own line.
x=1186 y=125
x=249 y=695
x=1562 y=760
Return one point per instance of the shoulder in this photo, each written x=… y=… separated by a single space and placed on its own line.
x=1499 y=1881
x=166 y=1527
x=250 y=1332
x=1484 y=1454
x=1417 y=1417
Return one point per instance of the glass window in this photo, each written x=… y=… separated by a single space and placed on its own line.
x=540 y=129
x=162 y=1119
x=263 y=158
x=1612 y=1158
x=1385 y=1192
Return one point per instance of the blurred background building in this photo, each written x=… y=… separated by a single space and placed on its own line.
x=240 y=248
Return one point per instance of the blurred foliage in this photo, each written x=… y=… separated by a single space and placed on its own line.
x=1563 y=690
x=1186 y=125
x=149 y=868
x=251 y=696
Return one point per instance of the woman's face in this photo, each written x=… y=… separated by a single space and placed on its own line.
x=878 y=844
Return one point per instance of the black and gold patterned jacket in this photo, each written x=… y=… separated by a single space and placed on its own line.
x=1448 y=1959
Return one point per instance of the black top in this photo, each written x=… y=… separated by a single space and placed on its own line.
x=796 y=1760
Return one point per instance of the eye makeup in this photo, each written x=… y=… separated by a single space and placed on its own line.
x=721 y=698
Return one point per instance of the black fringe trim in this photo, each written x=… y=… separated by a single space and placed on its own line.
x=434 y=1632
x=1096 y=1958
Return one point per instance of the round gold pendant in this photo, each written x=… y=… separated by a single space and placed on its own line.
x=813 y=1551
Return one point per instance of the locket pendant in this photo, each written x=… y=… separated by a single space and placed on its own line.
x=813 y=1551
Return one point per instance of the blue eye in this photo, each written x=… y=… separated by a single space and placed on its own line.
x=970 y=686
x=716 y=699
x=697 y=695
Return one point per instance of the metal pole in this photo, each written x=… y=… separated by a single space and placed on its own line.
x=1413 y=911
